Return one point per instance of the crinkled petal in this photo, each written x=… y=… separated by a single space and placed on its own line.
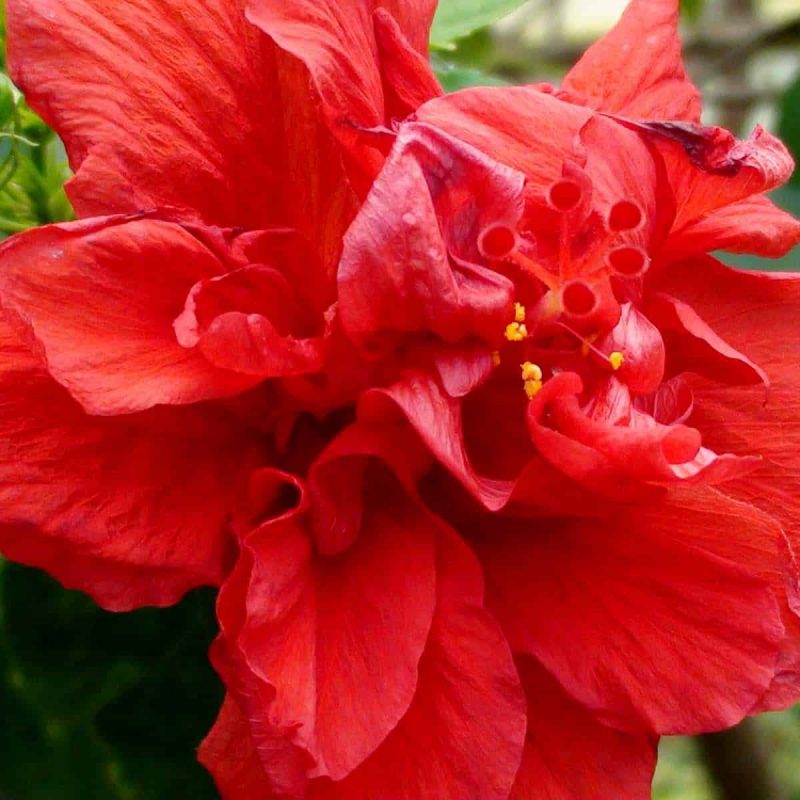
x=569 y=755
x=98 y=299
x=709 y=169
x=671 y=638
x=133 y=510
x=636 y=69
x=397 y=273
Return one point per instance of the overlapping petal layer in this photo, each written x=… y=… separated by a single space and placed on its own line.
x=130 y=509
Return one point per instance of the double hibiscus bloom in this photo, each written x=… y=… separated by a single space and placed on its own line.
x=495 y=465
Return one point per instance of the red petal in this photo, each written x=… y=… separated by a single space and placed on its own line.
x=754 y=225
x=250 y=321
x=159 y=103
x=131 y=510
x=229 y=755
x=757 y=313
x=338 y=639
x=437 y=419
x=518 y=126
x=396 y=273
x=640 y=341
x=337 y=43
x=569 y=755
x=694 y=347
x=636 y=70
x=408 y=79
x=619 y=461
x=709 y=169
x=671 y=638
x=622 y=168
x=339 y=475
x=463 y=735
x=99 y=299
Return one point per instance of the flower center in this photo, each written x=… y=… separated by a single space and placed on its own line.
x=573 y=265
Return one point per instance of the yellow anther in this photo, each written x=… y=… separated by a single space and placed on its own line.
x=496 y=358
x=532 y=388
x=616 y=359
x=516 y=332
x=531 y=371
x=519 y=312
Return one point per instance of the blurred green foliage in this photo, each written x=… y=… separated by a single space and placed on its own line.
x=692 y=9
x=789 y=129
x=99 y=706
x=33 y=165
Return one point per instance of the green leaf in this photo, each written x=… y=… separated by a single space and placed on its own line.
x=457 y=18
x=789 y=125
x=457 y=76
x=101 y=705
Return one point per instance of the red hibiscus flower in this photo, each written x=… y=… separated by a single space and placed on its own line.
x=454 y=376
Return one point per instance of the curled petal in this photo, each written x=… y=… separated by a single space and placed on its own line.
x=753 y=225
x=332 y=651
x=640 y=342
x=617 y=459
x=250 y=321
x=99 y=297
x=708 y=169
x=408 y=79
x=229 y=754
x=339 y=476
x=694 y=347
x=437 y=418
